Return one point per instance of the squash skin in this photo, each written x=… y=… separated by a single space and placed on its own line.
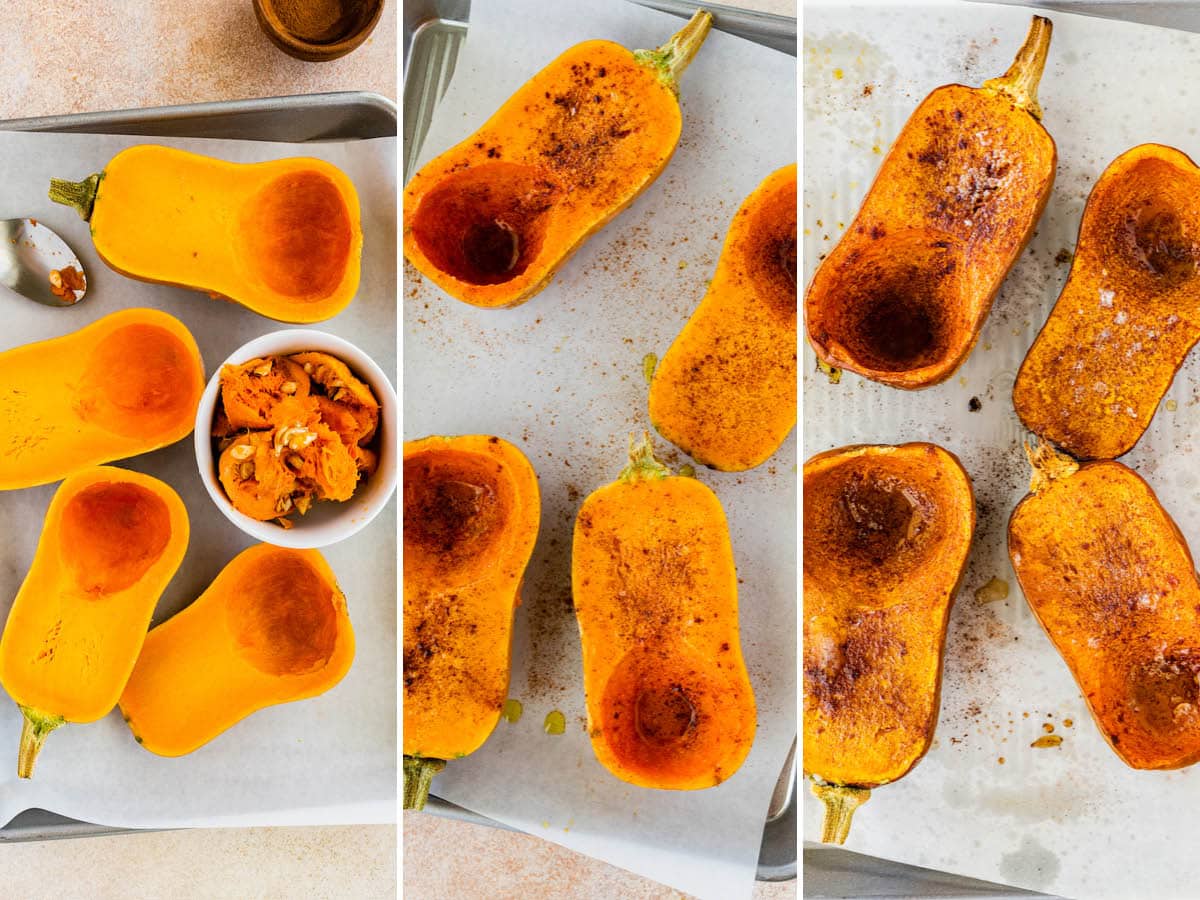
x=1126 y=318
x=224 y=657
x=77 y=400
x=282 y=238
x=876 y=614
x=460 y=596
x=903 y=296
x=669 y=700
x=573 y=147
x=1112 y=582
x=725 y=392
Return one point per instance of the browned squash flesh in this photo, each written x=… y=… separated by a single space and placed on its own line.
x=904 y=294
x=1111 y=580
x=1128 y=314
x=887 y=531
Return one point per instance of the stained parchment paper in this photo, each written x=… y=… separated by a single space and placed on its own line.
x=1071 y=820
x=561 y=376
x=331 y=759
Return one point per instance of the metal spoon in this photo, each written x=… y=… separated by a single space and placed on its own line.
x=36 y=263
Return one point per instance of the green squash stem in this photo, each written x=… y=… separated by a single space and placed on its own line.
x=642 y=464
x=418 y=776
x=80 y=195
x=669 y=60
x=840 y=803
x=34 y=729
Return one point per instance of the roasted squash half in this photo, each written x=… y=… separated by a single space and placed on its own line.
x=887 y=531
x=271 y=628
x=1111 y=580
x=725 y=393
x=471 y=516
x=491 y=220
x=111 y=541
x=1128 y=314
x=669 y=700
x=126 y=384
x=904 y=294
x=282 y=238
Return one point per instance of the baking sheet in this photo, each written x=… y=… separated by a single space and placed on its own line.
x=1058 y=820
x=562 y=377
x=327 y=760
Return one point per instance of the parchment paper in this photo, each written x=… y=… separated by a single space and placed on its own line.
x=1071 y=820
x=562 y=377
x=327 y=760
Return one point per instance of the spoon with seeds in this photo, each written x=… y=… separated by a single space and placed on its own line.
x=37 y=264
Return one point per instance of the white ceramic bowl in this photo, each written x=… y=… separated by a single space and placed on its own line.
x=327 y=522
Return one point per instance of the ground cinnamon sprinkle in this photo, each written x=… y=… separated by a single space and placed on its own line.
x=320 y=21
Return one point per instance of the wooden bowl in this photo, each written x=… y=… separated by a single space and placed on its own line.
x=317 y=30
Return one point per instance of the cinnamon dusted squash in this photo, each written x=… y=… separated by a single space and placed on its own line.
x=1127 y=316
x=491 y=220
x=669 y=700
x=1113 y=583
x=887 y=531
x=725 y=393
x=471 y=516
x=904 y=294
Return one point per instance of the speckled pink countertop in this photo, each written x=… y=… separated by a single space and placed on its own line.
x=65 y=56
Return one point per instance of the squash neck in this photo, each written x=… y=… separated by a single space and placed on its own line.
x=840 y=801
x=418 y=777
x=80 y=195
x=34 y=728
x=1020 y=82
x=671 y=59
x=1048 y=465
x=642 y=464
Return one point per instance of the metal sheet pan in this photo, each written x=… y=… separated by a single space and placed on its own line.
x=433 y=33
x=336 y=116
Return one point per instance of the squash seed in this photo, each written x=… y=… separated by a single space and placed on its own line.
x=242 y=451
x=289 y=387
x=246 y=470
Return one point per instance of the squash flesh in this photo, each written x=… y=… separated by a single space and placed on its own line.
x=272 y=628
x=1127 y=316
x=471 y=515
x=887 y=531
x=111 y=542
x=282 y=238
x=1112 y=582
x=654 y=583
x=124 y=385
x=725 y=392
x=492 y=219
